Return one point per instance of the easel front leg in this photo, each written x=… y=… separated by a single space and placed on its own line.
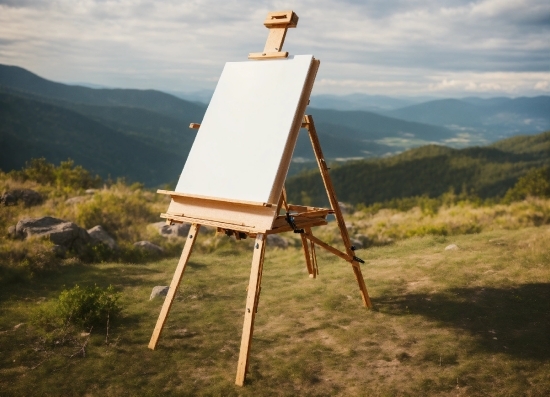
x=251 y=306
x=191 y=238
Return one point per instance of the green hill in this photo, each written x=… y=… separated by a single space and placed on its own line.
x=429 y=170
x=31 y=129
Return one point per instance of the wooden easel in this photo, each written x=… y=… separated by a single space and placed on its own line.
x=300 y=219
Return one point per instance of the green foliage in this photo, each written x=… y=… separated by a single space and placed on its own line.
x=88 y=306
x=117 y=210
x=66 y=176
x=535 y=183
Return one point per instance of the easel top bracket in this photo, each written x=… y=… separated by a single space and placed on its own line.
x=278 y=23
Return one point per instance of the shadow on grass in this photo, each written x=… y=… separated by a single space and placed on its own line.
x=53 y=281
x=513 y=321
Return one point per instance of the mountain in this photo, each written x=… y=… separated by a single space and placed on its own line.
x=157 y=122
x=19 y=79
x=429 y=170
x=493 y=118
x=371 y=103
x=31 y=129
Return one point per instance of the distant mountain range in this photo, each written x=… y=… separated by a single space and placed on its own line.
x=143 y=135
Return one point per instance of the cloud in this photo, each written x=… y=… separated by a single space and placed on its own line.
x=447 y=47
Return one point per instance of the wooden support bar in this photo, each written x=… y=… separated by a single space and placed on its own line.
x=307 y=254
x=243 y=202
x=330 y=248
x=278 y=23
x=310 y=126
x=176 y=280
x=251 y=305
x=210 y=222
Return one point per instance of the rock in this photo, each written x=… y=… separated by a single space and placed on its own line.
x=100 y=235
x=90 y=191
x=159 y=290
x=76 y=200
x=366 y=241
x=358 y=244
x=274 y=240
x=345 y=207
x=27 y=196
x=149 y=246
x=176 y=230
x=58 y=231
x=452 y=247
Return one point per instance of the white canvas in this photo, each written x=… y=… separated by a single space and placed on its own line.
x=240 y=144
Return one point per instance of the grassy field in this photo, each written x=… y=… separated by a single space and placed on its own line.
x=468 y=322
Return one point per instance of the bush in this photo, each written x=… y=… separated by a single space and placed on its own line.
x=535 y=183
x=65 y=176
x=88 y=306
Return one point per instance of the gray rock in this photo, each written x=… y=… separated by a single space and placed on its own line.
x=58 y=231
x=27 y=196
x=176 y=230
x=274 y=240
x=345 y=207
x=100 y=235
x=91 y=191
x=76 y=200
x=358 y=244
x=366 y=241
x=452 y=247
x=149 y=246
x=159 y=290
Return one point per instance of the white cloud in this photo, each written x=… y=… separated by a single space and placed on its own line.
x=448 y=47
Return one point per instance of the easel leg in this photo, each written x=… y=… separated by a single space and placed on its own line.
x=191 y=238
x=309 y=265
x=251 y=306
x=310 y=125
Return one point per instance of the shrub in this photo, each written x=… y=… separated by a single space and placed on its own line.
x=535 y=183
x=88 y=306
x=66 y=175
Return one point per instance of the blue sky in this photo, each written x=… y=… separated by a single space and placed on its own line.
x=446 y=48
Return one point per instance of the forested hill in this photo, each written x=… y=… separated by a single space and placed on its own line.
x=38 y=119
x=429 y=170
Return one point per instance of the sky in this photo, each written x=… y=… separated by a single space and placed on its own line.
x=441 y=48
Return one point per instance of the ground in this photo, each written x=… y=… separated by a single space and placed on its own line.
x=468 y=322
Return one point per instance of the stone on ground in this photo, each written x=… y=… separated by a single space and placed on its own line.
x=159 y=290
x=149 y=246
x=58 y=231
x=100 y=235
x=28 y=196
x=452 y=247
x=274 y=240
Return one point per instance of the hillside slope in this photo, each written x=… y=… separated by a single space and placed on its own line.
x=32 y=128
x=430 y=170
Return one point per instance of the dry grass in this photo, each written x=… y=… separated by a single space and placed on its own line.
x=470 y=322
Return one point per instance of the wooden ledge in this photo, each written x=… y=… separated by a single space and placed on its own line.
x=193 y=196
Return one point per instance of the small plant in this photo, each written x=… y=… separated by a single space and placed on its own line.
x=88 y=306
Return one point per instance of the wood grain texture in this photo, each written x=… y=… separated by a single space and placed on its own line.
x=251 y=306
x=258 y=218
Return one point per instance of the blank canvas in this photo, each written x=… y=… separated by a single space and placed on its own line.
x=240 y=144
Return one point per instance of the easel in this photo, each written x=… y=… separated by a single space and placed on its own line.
x=243 y=219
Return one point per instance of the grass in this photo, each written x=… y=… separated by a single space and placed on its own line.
x=470 y=322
